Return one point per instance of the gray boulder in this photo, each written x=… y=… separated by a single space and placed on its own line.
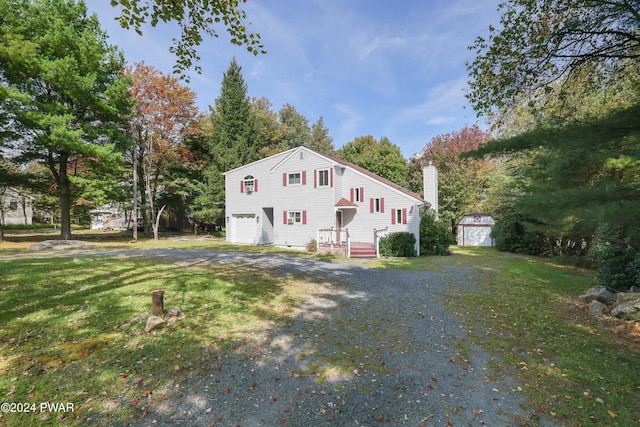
x=628 y=310
x=597 y=308
x=599 y=293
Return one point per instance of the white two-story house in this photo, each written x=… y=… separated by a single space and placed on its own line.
x=299 y=196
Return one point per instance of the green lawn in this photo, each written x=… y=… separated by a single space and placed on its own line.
x=578 y=369
x=68 y=330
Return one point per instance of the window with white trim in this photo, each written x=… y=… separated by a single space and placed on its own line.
x=295 y=178
x=295 y=217
x=376 y=205
x=249 y=183
x=398 y=216
x=13 y=205
x=323 y=178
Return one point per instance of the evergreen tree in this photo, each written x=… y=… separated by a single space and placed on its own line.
x=295 y=132
x=64 y=93
x=320 y=139
x=232 y=143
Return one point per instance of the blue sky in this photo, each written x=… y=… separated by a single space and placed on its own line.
x=368 y=67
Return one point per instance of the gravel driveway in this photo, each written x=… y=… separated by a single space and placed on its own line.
x=416 y=364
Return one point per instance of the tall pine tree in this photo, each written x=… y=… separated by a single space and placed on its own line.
x=64 y=97
x=320 y=139
x=233 y=142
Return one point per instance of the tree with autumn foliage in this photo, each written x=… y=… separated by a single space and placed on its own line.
x=462 y=182
x=165 y=115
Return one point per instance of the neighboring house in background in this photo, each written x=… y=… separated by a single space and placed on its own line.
x=475 y=230
x=298 y=196
x=17 y=207
x=109 y=217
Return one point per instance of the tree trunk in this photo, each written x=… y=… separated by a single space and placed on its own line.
x=146 y=171
x=64 y=192
x=134 y=213
x=157 y=224
x=2 y=191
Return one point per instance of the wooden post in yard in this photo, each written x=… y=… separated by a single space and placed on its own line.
x=157 y=302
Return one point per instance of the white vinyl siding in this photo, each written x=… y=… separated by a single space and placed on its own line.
x=317 y=184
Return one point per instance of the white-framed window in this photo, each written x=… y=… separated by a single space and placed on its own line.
x=377 y=205
x=295 y=217
x=295 y=178
x=13 y=205
x=398 y=216
x=249 y=182
x=323 y=178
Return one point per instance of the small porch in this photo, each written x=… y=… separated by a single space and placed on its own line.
x=338 y=242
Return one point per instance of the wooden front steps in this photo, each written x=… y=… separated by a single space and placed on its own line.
x=363 y=250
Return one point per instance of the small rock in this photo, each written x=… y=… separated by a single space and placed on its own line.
x=597 y=308
x=154 y=322
x=172 y=320
x=635 y=290
x=174 y=312
x=143 y=317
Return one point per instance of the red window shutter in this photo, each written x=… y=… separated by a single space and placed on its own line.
x=371 y=205
x=361 y=194
x=284 y=217
x=304 y=217
x=331 y=177
x=304 y=177
x=242 y=186
x=404 y=216
x=284 y=179
x=255 y=185
x=382 y=204
x=393 y=216
x=315 y=178
x=351 y=198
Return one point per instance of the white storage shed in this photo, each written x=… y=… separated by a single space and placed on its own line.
x=475 y=230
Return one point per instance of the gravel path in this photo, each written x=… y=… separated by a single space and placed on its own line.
x=406 y=357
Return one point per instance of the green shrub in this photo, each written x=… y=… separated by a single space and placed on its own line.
x=617 y=257
x=511 y=235
x=312 y=246
x=399 y=244
x=435 y=236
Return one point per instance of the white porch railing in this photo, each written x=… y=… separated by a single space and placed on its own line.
x=334 y=237
x=377 y=234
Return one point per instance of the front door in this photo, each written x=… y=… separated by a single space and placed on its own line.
x=338 y=226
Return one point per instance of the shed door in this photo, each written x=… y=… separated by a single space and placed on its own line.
x=244 y=228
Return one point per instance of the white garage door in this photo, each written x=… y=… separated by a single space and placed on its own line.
x=244 y=228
